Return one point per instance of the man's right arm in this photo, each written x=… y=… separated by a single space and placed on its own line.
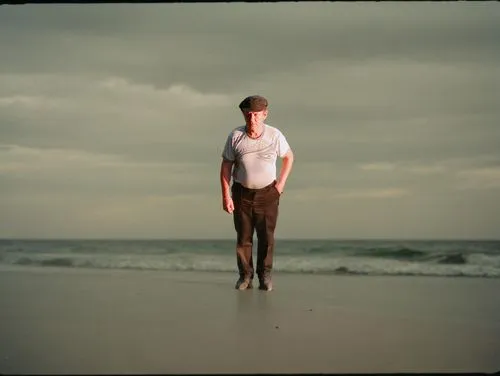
x=226 y=169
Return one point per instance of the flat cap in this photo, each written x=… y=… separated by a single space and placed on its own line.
x=253 y=103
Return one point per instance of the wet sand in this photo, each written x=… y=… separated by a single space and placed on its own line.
x=65 y=320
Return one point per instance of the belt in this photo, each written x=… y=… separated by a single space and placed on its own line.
x=255 y=189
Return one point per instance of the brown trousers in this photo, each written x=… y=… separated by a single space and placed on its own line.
x=255 y=210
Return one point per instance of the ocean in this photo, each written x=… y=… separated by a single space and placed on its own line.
x=479 y=259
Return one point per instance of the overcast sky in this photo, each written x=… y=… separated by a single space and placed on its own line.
x=113 y=117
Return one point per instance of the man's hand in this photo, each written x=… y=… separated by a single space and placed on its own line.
x=228 y=204
x=226 y=168
x=279 y=187
x=285 y=171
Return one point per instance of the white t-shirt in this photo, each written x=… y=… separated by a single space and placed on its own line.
x=255 y=159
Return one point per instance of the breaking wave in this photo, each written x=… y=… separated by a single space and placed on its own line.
x=454 y=265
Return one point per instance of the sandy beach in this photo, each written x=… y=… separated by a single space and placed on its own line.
x=64 y=320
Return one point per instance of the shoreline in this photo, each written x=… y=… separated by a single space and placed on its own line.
x=337 y=273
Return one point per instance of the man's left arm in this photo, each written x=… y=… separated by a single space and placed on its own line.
x=286 y=168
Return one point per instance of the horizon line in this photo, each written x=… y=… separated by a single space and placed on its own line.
x=233 y=239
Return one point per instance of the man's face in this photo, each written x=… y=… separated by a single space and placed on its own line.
x=254 y=118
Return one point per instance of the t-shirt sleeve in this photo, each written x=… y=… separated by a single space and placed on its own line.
x=228 y=152
x=283 y=145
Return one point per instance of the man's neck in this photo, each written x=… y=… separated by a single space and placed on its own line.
x=255 y=132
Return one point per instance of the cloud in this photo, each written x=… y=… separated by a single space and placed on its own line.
x=25 y=159
x=177 y=95
x=374 y=193
x=223 y=41
x=24 y=102
x=120 y=111
x=28 y=171
x=146 y=207
x=378 y=167
x=35 y=159
x=111 y=115
x=408 y=166
x=69 y=214
x=37 y=90
x=425 y=170
x=480 y=178
x=322 y=194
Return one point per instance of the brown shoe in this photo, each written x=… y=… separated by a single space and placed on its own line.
x=243 y=284
x=266 y=284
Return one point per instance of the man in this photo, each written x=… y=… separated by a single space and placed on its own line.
x=249 y=157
